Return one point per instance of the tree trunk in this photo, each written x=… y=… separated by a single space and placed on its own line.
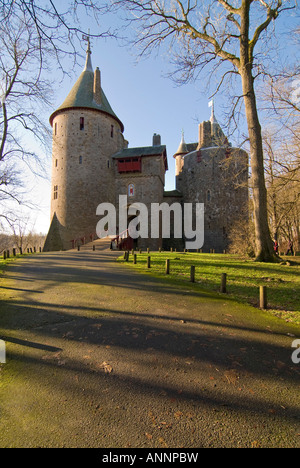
x=264 y=245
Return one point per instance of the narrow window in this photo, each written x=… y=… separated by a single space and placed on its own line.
x=112 y=131
x=56 y=162
x=80 y=159
x=81 y=123
x=55 y=129
x=108 y=164
x=208 y=195
x=55 y=192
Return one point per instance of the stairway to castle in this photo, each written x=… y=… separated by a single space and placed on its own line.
x=98 y=244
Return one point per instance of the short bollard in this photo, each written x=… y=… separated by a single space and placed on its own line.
x=148 y=262
x=78 y=248
x=263 y=302
x=223 y=283
x=134 y=259
x=127 y=256
x=4 y=255
x=94 y=248
x=167 y=266
x=192 y=274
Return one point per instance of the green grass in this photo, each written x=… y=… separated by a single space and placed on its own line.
x=244 y=277
x=3 y=262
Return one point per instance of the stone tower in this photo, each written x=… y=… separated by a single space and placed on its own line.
x=216 y=174
x=86 y=133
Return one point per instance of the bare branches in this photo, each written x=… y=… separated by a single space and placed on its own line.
x=34 y=37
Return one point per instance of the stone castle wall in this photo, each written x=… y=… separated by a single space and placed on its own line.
x=148 y=188
x=217 y=177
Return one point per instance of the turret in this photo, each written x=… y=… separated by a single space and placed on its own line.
x=182 y=150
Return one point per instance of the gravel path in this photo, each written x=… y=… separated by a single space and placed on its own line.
x=99 y=355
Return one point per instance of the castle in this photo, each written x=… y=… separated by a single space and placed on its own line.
x=92 y=163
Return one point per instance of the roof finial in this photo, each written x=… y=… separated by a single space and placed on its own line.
x=212 y=117
x=88 y=63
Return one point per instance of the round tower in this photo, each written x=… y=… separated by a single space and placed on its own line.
x=86 y=133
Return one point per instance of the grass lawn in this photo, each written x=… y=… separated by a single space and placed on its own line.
x=244 y=277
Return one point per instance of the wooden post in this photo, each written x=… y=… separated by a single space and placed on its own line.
x=4 y=255
x=40 y=249
x=7 y=254
x=223 y=283
x=14 y=252
x=167 y=266
x=192 y=274
x=148 y=261
x=127 y=256
x=263 y=303
x=78 y=248
x=134 y=259
x=94 y=248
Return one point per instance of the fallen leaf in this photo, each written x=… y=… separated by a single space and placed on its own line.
x=255 y=444
x=107 y=367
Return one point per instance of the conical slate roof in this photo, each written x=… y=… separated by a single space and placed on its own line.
x=82 y=95
x=183 y=149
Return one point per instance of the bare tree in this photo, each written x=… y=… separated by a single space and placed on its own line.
x=35 y=37
x=225 y=36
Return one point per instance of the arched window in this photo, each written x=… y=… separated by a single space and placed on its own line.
x=131 y=190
